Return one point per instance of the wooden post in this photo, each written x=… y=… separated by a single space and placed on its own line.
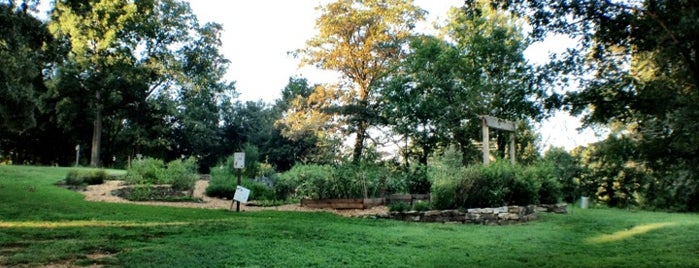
x=486 y=143
x=497 y=123
x=512 y=147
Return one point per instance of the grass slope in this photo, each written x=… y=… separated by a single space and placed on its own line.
x=41 y=224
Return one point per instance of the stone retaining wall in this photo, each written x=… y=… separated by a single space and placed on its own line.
x=489 y=216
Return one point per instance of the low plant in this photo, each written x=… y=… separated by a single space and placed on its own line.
x=421 y=206
x=147 y=170
x=82 y=177
x=223 y=184
x=181 y=174
x=399 y=207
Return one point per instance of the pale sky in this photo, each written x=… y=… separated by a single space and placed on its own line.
x=258 y=34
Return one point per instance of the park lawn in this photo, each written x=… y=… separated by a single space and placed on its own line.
x=41 y=224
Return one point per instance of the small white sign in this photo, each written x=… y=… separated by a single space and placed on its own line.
x=241 y=194
x=239 y=160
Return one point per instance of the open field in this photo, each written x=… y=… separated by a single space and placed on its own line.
x=41 y=224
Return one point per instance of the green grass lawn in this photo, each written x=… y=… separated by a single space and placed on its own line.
x=41 y=224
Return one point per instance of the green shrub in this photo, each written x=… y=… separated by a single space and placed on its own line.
x=223 y=185
x=181 y=174
x=258 y=191
x=550 y=191
x=444 y=189
x=341 y=181
x=76 y=177
x=139 y=193
x=221 y=190
x=147 y=170
x=492 y=187
x=399 y=207
x=417 y=180
x=421 y=206
x=497 y=184
x=525 y=187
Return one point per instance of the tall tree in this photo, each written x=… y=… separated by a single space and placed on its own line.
x=361 y=39
x=496 y=78
x=419 y=94
x=149 y=67
x=637 y=64
x=439 y=92
x=24 y=51
x=96 y=32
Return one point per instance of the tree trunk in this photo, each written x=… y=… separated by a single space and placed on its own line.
x=359 y=141
x=96 y=133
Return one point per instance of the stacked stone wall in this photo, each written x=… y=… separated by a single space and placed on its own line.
x=488 y=216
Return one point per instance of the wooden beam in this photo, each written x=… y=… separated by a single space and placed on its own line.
x=498 y=123
x=486 y=143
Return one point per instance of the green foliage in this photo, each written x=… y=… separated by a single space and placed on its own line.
x=146 y=192
x=349 y=34
x=566 y=170
x=252 y=160
x=223 y=183
x=89 y=177
x=146 y=170
x=181 y=174
x=611 y=175
x=343 y=181
x=36 y=225
x=494 y=185
x=544 y=173
x=421 y=206
x=417 y=180
x=399 y=206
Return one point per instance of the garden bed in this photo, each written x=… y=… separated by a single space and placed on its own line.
x=356 y=203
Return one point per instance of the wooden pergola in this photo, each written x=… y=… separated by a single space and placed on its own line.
x=501 y=124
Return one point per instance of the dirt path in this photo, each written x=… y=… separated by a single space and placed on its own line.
x=103 y=193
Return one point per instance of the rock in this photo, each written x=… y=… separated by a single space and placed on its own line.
x=515 y=209
x=500 y=210
x=434 y=213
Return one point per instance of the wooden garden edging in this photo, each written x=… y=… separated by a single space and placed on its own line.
x=363 y=203
x=357 y=203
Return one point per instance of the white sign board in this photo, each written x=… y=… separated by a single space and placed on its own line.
x=239 y=160
x=241 y=194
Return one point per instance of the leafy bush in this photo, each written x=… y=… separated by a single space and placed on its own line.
x=342 y=181
x=399 y=206
x=76 y=177
x=526 y=186
x=223 y=184
x=493 y=186
x=147 y=170
x=566 y=169
x=497 y=184
x=182 y=175
x=145 y=192
x=421 y=206
x=417 y=180
x=550 y=191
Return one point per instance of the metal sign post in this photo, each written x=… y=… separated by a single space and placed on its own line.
x=239 y=164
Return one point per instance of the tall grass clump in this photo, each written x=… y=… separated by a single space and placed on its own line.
x=145 y=171
x=497 y=184
x=82 y=177
x=224 y=181
x=180 y=174
x=347 y=180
